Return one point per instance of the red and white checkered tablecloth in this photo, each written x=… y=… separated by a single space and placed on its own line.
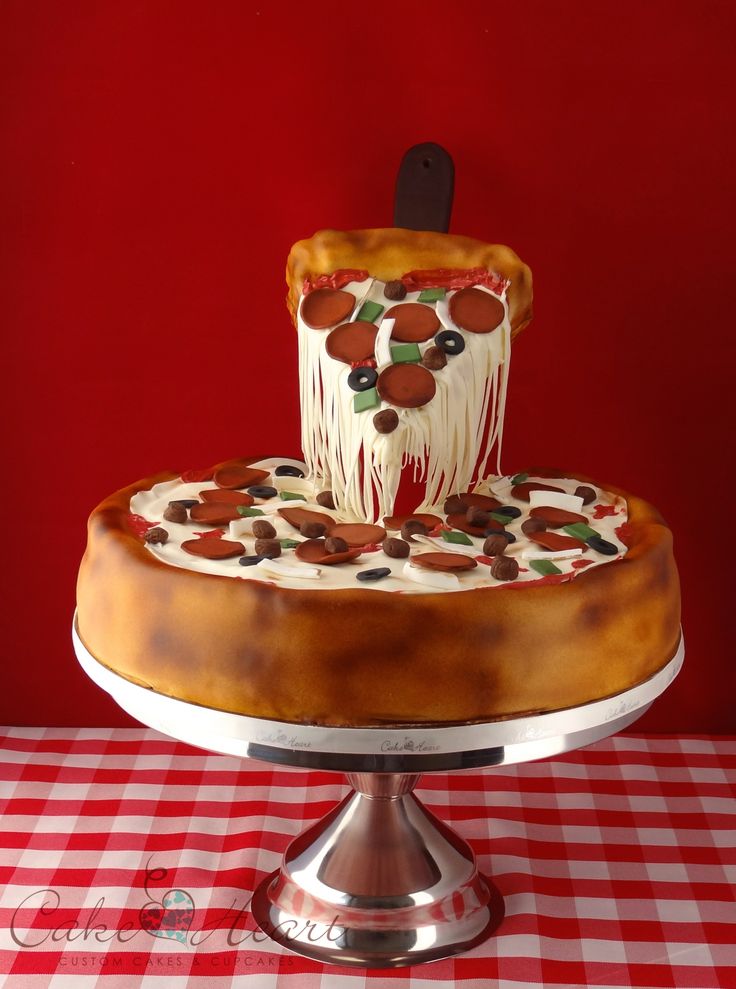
x=617 y=864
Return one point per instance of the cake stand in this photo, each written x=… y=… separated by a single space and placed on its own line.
x=380 y=881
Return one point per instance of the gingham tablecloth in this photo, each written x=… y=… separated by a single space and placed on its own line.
x=617 y=864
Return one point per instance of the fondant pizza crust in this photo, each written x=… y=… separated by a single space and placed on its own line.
x=255 y=648
x=389 y=253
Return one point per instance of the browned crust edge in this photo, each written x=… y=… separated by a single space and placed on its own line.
x=336 y=659
x=391 y=252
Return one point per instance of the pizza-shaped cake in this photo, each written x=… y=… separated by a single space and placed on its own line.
x=305 y=591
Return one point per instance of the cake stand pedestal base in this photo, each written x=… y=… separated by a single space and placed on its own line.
x=378 y=882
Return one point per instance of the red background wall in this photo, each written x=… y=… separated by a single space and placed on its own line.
x=158 y=161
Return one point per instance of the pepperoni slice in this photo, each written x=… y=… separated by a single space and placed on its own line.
x=352 y=342
x=358 y=534
x=459 y=521
x=407 y=386
x=214 y=513
x=237 y=476
x=523 y=490
x=485 y=502
x=313 y=551
x=213 y=549
x=326 y=307
x=476 y=311
x=396 y=521
x=554 y=541
x=415 y=322
x=197 y=475
x=228 y=497
x=447 y=562
x=557 y=517
x=297 y=516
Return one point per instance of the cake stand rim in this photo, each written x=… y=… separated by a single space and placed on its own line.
x=378 y=749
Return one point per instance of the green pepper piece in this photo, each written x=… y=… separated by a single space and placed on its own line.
x=455 y=536
x=580 y=531
x=545 y=567
x=367 y=399
x=369 y=312
x=432 y=294
x=406 y=353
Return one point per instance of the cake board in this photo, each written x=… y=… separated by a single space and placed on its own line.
x=379 y=882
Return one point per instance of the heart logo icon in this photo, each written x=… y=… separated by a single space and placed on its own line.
x=171 y=918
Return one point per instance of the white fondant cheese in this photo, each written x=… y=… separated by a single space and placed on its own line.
x=242 y=527
x=431 y=578
x=382 y=346
x=278 y=569
x=550 y=554
x=555 y=499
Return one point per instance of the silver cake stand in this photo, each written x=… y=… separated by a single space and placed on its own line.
x=379 y=881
